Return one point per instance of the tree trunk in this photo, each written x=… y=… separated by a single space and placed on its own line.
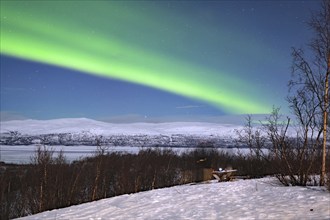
x=325 y=124
x=96 y=181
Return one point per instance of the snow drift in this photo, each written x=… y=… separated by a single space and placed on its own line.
x=242 y=199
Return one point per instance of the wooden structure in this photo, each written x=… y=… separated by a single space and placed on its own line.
x=223 y=175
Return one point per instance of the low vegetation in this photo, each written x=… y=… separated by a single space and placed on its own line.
x=50 y=182
x=295 y=159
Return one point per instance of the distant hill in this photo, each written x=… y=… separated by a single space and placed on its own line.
x=82 y=131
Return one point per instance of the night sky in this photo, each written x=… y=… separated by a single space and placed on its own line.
x=148 y=60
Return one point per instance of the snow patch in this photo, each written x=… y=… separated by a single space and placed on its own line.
x=243 y=199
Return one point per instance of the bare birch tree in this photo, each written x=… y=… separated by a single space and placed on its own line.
x=310 y=79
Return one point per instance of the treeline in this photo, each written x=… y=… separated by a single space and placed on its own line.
x=50 y=182
x=89 y=139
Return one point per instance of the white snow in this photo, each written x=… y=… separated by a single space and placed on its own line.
x=89 y=128
x=79 y=125
x=242 y=199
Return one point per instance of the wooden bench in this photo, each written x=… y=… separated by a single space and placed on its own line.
x=223 y=175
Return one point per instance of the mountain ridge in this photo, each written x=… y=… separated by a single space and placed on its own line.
x=83 y=131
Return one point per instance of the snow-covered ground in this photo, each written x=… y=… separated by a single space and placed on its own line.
x=241 y=199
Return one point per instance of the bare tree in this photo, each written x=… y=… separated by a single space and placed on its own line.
x=43 y=158
x=253 y=138
x=310 y=79
x=99 y=174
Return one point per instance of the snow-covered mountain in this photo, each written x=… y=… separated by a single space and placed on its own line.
x=89 y=132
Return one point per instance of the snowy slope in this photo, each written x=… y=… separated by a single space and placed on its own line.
x=243 y=199
x=78 y=125
x=89 y=132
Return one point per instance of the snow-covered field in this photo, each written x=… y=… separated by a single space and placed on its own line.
x=242 y=199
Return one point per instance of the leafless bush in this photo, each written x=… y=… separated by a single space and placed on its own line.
x=292 y=159
x=50 y=182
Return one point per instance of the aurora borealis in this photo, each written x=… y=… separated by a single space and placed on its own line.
x=198 y=50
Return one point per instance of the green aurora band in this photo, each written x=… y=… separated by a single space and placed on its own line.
x=29 y=31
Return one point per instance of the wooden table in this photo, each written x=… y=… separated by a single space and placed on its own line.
x=223 y=175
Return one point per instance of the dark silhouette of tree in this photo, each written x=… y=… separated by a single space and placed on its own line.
x=310 y=83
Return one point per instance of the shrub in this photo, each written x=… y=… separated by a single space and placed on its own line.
x=51 y=182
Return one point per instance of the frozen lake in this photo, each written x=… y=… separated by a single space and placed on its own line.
x=23 y=153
